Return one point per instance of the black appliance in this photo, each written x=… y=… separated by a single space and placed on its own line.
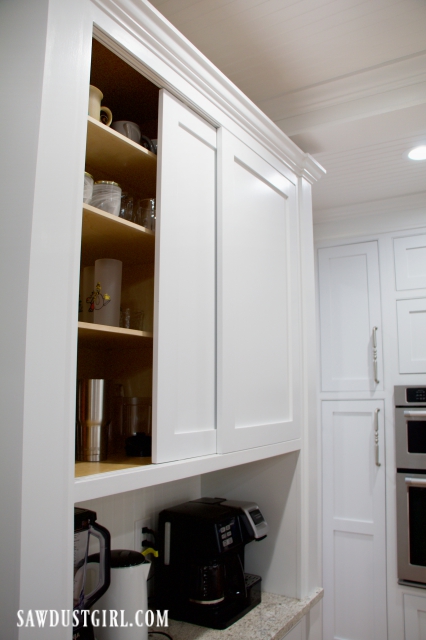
x=410 y=444
x=85 y=527
x=200 y=577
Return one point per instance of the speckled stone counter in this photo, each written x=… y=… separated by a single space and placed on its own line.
x=270 y=620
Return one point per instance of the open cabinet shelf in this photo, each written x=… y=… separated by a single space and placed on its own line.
x=109 y=155
x=114 y=463
x=104 y=233
x=91 y=335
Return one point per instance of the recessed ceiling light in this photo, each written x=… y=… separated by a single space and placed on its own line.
x=418 y=153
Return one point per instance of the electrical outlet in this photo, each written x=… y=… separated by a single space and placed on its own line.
x=139 y=536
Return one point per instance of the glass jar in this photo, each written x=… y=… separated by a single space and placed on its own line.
x=107 y=196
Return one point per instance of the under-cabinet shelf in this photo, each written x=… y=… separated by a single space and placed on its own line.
x=92 y=335
x=106 y=235
x=112 y=476
x=113 y=463
x=111 y=155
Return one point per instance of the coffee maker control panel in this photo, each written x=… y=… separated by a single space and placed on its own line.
x=228 y=533
x=254 y=520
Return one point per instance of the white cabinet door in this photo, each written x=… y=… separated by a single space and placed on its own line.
x=258 y=282
x=412 y=335
x=184 y=377
x=414 y=617
x=349 y=298
x=410 y=262
x=354 y=533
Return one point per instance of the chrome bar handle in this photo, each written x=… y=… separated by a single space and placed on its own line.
x=416 y=482
x=415 y=414
x=375 y=329
x=376 y=436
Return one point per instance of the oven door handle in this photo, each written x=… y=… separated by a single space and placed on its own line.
x=416 y=482
x=414 y=414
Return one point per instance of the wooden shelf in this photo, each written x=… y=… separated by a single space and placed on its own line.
x=107 y=236
x=109 y=154
x=115 y=463
x=91 y=335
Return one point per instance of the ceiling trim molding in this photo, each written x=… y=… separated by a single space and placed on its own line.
x=383 y=88
x=149 y=27
x=412 y=203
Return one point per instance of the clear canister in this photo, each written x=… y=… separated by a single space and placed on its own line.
x=107 y=196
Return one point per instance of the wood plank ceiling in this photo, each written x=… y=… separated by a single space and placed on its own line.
x=345 y=79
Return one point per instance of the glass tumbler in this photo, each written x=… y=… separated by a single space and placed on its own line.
x=145 y=213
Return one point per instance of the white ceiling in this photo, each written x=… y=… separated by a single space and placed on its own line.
x=345 y=79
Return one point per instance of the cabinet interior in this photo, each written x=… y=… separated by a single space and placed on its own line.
x=121 y=356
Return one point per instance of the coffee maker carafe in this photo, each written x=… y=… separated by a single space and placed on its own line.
x=85 y=527
x=201 y=577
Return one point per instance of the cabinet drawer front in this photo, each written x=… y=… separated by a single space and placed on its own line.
x=184 y=387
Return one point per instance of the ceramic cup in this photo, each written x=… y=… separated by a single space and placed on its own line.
x=95 y=108
x=129 y=129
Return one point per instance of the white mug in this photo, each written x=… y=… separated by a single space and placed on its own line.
x=95 y=108
x=129 y=129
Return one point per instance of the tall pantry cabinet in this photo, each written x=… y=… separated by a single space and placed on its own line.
x=230 y=348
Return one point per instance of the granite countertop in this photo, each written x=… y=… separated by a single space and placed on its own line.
x=270 y=620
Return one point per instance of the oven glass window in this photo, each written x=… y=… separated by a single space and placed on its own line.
x=417 y=498
x=416 y=434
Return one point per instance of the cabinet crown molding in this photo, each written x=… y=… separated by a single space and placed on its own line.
x=151 y=28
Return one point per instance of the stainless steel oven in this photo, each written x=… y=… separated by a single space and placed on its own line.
x=410 y=441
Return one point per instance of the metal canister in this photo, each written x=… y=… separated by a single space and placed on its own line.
x=92 y=420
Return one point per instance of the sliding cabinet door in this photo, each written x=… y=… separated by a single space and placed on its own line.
x=184 y=384
x=258 y=283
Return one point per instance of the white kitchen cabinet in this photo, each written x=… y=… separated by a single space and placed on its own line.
x=258 y=303
x=412 y=335
x=414 y=617
x=350 y=318
x=48 y=66
x=295 y=633
x=354 y=520
x=410 y=262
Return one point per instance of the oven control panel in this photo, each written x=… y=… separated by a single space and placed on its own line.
x=407 y=396
x=417 y=394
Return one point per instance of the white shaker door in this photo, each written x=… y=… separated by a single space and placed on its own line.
x=258 y=283
x=350 y=314
x=354 y=520
x=184 y=377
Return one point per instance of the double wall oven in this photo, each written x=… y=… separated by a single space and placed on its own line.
x=410 y=441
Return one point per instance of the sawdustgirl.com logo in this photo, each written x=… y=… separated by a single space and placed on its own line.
x=98 y=618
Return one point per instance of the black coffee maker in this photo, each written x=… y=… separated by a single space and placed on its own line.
x=200 y=577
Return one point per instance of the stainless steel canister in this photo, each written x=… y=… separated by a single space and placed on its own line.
x=92 y=420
